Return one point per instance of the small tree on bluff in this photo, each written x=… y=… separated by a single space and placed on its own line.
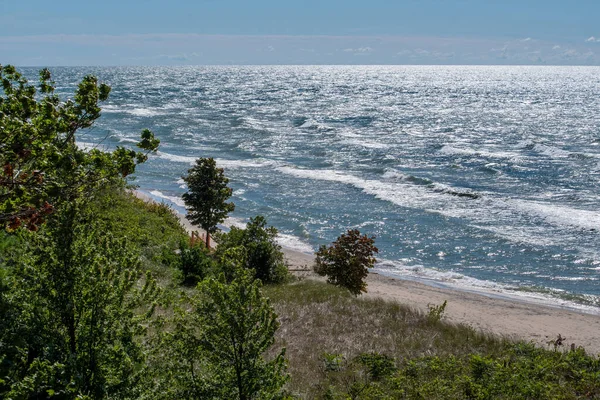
x=206 y=199
x=346 y=261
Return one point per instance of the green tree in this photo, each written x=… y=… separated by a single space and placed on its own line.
x=239 y=326
x=41 y=164
x=81 y=301
x=263 y=253
x=206 y=199
x=346 y=261
x=216 y=349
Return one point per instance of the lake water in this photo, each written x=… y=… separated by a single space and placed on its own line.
x=480 y=177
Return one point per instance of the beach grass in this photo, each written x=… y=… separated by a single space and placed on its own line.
x=320 y=323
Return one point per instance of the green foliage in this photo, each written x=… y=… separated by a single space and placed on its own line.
x=81 y=300
x=206 y=199
x=522 y=372
x=42 y=166
x=217 y=344
x=436 y=313
x=239 y=326
x=333 y=362
x=378 y=365
x=194 y=262
x=151 y=227
x=262 y=253
x=346 y=261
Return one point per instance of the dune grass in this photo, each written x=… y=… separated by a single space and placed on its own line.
x=321 y=323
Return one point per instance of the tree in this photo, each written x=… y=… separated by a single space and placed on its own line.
x=215 y=348
x=346 y=261
x=263 y=253
x=206 y=199
x=239 y=325
x=81 y=302
x=41 y=164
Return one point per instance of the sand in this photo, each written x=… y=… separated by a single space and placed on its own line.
x=512 y=317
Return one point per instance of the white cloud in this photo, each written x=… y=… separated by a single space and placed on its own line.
x=360 y=50
x=526 y=39
x=557 y=47
x=592 y=39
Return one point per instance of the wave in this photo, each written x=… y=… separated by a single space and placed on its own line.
x=454 y=151
x=561 y=215
x=367 y=144
x=449 y=279
x=221 y=162
x=254 y=163
x=294 y=243
x=507 y=218
x=311 y=124
x=176 y=158
x=173 y=199
x=402 y=194
x=135 y=111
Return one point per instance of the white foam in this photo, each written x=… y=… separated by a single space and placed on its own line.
x=127 y=140
x=312 y=124
x=399 y=193
x=561 y=215
x=294 y=243
x=497 y=215
x=449 y=150
x=235 y=164
x=368 y=145
x=176 y=158
x=462 y=282
x=173 y=199
x=551 y=151
x=144 y=112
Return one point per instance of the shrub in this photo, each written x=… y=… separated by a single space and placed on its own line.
x=263 y=254
x=194 y=263
x=346 y=261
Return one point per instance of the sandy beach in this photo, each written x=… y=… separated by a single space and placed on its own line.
x=514 y=318
x=511 y=317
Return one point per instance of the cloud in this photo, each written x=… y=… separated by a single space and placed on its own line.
x=528 y=39
x=185 y=49
x=592 y=39
x=359 y=51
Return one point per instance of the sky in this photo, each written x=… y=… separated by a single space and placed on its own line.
x=205 y=32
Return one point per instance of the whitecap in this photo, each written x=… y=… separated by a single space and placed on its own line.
x=173 y=199
x=176 y=158
x=560 y=215
x=294 y=243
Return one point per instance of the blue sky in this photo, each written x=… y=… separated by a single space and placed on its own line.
x=184 y=32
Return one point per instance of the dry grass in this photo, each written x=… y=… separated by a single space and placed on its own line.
x=318 y=318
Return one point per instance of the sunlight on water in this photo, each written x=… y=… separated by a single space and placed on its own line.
x=472 y=174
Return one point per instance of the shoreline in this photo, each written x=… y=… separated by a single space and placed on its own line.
x=509 y=316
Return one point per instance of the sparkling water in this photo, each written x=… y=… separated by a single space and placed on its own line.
x=467 y=175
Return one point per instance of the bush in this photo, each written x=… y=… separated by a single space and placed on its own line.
x=346 y=261
x=263 y=254
x=194 y=263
